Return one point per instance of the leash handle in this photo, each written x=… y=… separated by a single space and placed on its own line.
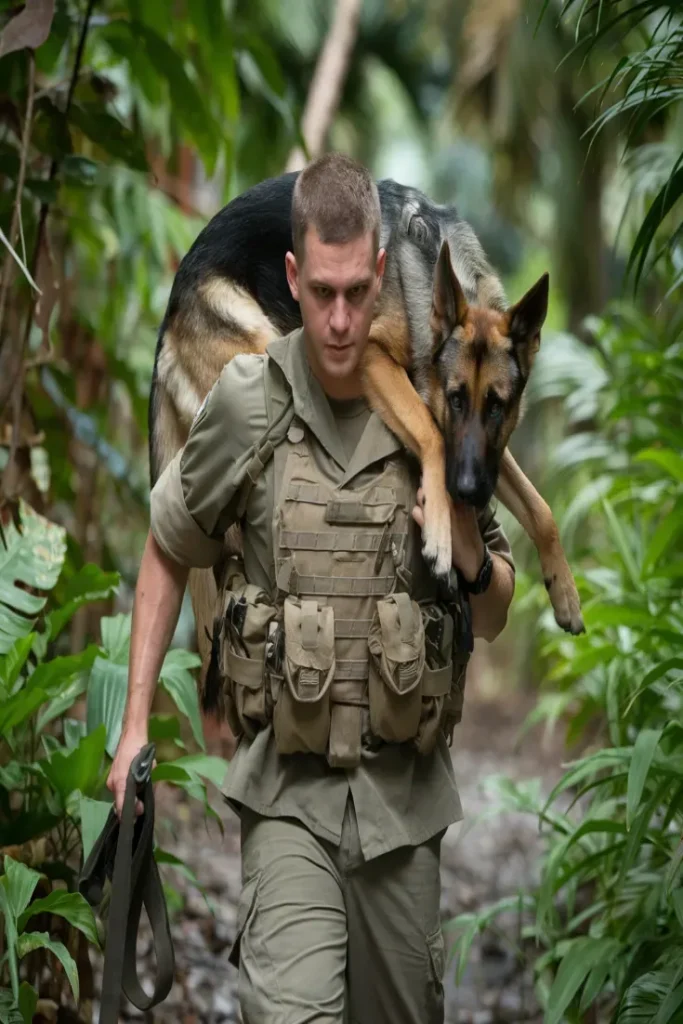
x=135 y=882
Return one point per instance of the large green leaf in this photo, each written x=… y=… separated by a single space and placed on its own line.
x=581 y=959
x=643 y=752
x=20 y=882
x=32 y=556
x=649 y=998
x=178 y=681
x=116 y=637
x=110 y=134
x=94 y=814
x=205 y=765
x=41 y=940
x=89 y=584
x=187 y=103
x=13 y=662
x=11 y=936
x=79 y=770
x=106 y=700
x=73 y=907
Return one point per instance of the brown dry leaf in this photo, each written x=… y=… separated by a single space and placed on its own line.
x=31 y=27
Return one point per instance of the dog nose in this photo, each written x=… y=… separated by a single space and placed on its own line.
x=467 y=485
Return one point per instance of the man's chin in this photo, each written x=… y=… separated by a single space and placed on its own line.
x=343 y=366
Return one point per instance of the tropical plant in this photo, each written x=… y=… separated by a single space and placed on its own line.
x=54 y=763
x=608 y=915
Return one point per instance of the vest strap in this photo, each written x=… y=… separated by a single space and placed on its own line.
x=330 y=541
x=436 y=682
x=245 y=671
x=340 y=586
x=352 y=629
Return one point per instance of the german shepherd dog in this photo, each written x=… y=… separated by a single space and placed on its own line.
x=445 y=367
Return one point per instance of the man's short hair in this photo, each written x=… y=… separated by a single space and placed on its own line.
x=338 y=197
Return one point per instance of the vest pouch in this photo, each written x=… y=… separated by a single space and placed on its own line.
x=437 y=680
x=301 y=717
x=248 y=614
x=396 y=644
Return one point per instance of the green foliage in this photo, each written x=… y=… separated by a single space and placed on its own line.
x=53 y=767
x=609 y=909
x=643 y=86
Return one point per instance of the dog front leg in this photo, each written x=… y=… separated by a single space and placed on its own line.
x=528 y=507
x=394 y=399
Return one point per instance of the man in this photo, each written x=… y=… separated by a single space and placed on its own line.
x=339 y=912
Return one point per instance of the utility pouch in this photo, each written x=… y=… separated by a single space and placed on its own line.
x=301 y=716
x=246 y=620
x=396 y=644
x=438 y=674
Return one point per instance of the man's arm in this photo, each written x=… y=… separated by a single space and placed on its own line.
x=192 y=504
x=490 y=609
x=156 y=607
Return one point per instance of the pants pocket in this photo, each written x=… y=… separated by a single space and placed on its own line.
x=301 y=718
x=245 y=909
x=396 y=645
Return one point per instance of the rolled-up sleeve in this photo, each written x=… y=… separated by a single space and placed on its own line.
x=195 y=499
x=174 y=529
x=494 y=536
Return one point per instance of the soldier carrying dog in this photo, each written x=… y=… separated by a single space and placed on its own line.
x=338 y=656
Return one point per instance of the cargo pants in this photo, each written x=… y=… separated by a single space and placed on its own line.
x=324 y=937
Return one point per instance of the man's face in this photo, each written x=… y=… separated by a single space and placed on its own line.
x=336 y=287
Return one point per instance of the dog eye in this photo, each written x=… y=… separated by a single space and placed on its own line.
x=495 y=409
x=455 y=398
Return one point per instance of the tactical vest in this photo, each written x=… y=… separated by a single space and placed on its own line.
x=340 y=656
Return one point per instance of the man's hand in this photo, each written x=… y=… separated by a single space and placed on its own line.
x=468 y=545
x=130 y=744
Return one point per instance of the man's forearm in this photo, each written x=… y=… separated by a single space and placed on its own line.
x=158 y=597
x=490 y=609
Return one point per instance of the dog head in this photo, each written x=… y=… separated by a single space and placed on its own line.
x=481 y=361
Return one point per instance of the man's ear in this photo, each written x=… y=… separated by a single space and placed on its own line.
x=525 y=320
x=449 y=305
x=292 y=275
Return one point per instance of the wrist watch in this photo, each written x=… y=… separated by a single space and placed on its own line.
x=481 y=581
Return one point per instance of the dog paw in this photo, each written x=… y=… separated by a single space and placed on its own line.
x=565 y=600
x=436 y=538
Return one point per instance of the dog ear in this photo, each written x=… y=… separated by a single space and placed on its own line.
x=449 y=305
x=525 y=320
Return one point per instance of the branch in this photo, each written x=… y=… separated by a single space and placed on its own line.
x=8 y=268
x=327 y=83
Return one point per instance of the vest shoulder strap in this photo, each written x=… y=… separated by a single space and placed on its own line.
x=280 y=413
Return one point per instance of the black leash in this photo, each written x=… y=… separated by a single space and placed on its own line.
x=124 y=853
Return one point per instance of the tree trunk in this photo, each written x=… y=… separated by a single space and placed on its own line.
x=326 y=86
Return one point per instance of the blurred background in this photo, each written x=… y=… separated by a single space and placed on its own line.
x=556 y=128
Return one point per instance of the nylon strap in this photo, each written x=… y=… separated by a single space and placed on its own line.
x=245 y=671
x=292 y=540
x=436 y=682
x=262 y=452
x=124 y=852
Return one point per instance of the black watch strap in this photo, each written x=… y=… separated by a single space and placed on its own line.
x=481 y=581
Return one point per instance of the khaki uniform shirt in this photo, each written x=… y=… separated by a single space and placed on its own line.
x=400 y=797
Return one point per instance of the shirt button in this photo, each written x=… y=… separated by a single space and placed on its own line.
x=295 y=434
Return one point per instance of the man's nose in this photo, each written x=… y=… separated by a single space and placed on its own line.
x=339 y=321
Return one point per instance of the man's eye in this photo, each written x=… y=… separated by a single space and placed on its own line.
x=322 y=292
x=356 y=291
